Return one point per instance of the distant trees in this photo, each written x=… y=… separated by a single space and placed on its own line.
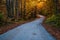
x=10 y=8
x=54 y=20
x=16 y=12
x=24 y=9
x=13 y=10
x=16 y=9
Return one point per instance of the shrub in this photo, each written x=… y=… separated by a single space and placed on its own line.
x=1 y=18
x=54 y=21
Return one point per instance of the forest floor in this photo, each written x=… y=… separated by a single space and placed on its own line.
x=10 y=26
x=52 y=30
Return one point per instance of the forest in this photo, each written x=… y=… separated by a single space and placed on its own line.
x=18 y=10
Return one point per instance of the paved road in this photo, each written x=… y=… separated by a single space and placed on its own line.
x=29 y=31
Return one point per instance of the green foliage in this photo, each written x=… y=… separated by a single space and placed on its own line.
x=54 y=21
x=1 y=18
x=49 y=9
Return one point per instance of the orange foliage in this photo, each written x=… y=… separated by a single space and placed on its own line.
x=40 y=5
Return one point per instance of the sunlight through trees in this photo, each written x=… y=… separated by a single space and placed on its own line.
x=27 y=9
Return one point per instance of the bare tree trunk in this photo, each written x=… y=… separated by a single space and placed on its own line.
x=56 y=6
x=21 y=9
x=24 y=9
x=16 y=8
x=10 y=8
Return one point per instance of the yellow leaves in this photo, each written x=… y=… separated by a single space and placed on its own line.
x=40 y=5
x=39 y=0
x=42 y=0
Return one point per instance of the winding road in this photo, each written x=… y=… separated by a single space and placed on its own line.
x=29 y=31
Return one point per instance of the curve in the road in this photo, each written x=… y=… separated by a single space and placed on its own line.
x=29 y=31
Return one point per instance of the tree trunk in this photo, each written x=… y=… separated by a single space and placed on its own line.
x=24 y=9
x=10 y=8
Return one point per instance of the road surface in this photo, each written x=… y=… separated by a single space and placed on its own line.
x=28 y=31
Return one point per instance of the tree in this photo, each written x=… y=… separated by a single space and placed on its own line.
x=24 y=9
x=16 y=9
x=10 y=8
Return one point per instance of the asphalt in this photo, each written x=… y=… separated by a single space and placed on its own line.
x=29 y=31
